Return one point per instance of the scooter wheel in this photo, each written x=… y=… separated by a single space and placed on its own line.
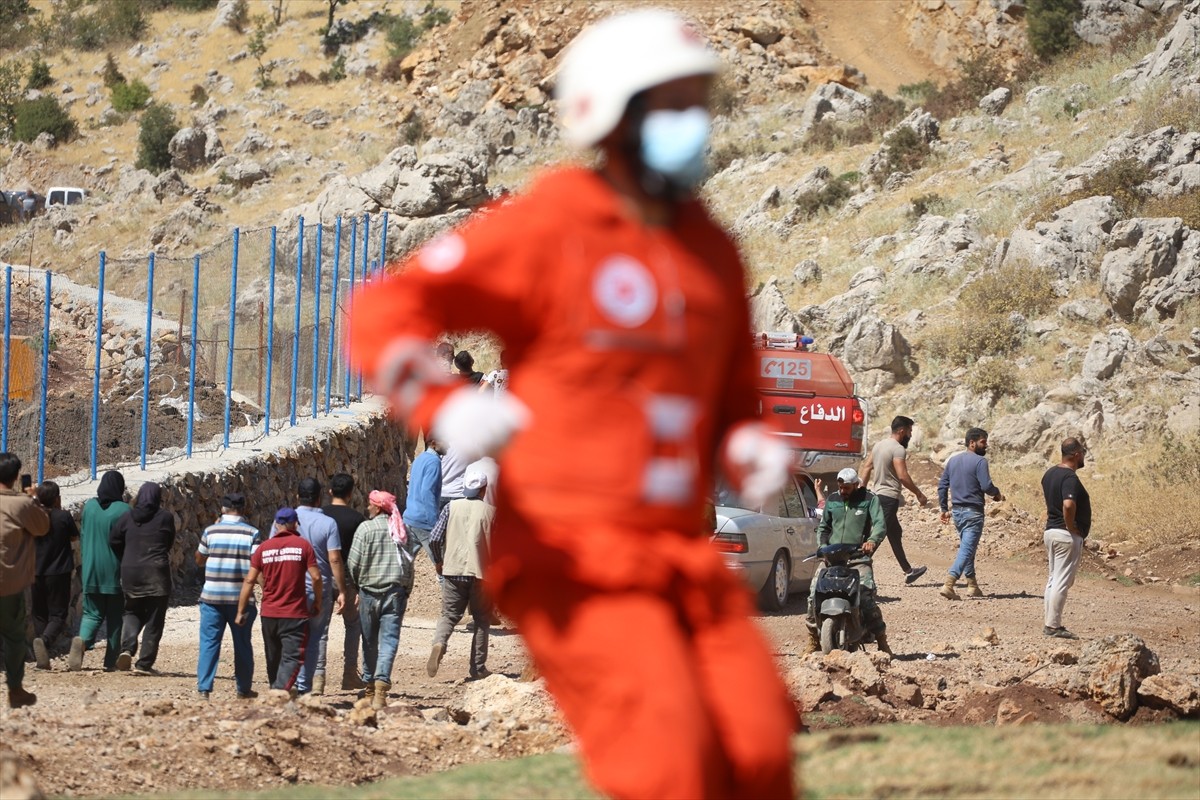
x=833 y=634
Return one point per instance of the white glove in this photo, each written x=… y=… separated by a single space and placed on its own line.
x=758 y=461
x=478 y=424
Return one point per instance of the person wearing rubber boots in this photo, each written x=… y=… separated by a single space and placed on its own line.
x=852 y=515
x=621 y=308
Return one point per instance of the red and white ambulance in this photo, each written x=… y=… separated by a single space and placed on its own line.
x=809 y=398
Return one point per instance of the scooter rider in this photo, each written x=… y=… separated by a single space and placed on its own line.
x=850 y=515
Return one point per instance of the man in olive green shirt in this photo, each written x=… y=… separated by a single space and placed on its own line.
x=852 y=516
x=888 y=462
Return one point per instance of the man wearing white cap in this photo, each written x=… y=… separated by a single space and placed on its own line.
x=460 y=544
x=852 y=516
x=620 y=305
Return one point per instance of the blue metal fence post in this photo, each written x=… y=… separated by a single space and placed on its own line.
x=383 y=240
x=316 y=358
x=41 y=454
x=350 y=303
x=296 y=326
x=96 y=376
x=333 y=313
x=146 y=359
x=195 y=354
x=270 y=340
x=232 y=331
x=7 y=355
x=365 y=273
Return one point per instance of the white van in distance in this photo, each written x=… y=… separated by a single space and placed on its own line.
x=64 y=195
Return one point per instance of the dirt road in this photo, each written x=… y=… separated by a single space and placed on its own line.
x=870 y=35
x=96 y=733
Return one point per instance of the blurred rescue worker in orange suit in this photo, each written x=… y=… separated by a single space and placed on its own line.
x=621 y=307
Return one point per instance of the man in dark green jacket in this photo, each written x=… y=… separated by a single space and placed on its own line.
x=852 y=516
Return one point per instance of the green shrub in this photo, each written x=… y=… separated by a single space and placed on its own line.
x=1179 y=457
x=413 y=131
x=904 y=151
x=157 y=128
x=1050 y=26
x=1012 y=289
x=44 y=115
x=336 y=71
x=130 y=96
x=1180 y=111
x=256 y=45
x=112 y=74
x=1186 y=206
x=12 y=79
x=917 y=93
x=402 y=36
x=198 y=95
x=925 y=204
x=995 y=375
x=39 y=75
x=15 y=29
x=828 y=135
x=831 y=195
x=962 y=341
x=112 y=22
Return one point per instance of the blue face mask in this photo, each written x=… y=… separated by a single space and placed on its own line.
x=674 y=143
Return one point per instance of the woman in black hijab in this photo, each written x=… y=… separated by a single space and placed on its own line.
x=142 y=539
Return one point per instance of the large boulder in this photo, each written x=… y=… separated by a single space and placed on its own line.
x=1115 y=667
x=878 y=355
x=190 y=150
x=994 y=102
x=1143 y=250
x=940 y=245
x=1106 y=353
x=843 y=103
x=1178 y=692
x=1165 y=295
x=769 y=311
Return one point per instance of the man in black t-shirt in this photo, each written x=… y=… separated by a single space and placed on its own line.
x=52 y=576
x=347 y=518
x=1068 y=520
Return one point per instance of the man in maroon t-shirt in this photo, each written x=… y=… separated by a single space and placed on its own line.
x=283 y=560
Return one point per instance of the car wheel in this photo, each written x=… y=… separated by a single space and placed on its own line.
x=774 y=594
x=833 y=634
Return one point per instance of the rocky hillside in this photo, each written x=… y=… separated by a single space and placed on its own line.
x=1018 y=248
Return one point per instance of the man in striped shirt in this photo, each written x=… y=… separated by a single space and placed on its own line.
x=224 y=555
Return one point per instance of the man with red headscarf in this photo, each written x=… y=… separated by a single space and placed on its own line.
x=382 y=569
x=621 y=307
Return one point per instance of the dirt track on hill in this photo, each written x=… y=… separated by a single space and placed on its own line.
x=870 y=35
x=95 y=733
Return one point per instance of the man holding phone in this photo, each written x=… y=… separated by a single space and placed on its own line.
x=22 y=520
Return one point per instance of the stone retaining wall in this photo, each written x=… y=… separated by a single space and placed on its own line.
x=367 y=446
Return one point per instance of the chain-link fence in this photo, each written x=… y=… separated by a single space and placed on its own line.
x=169 y=356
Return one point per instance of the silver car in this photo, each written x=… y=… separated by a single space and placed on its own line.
x=767 y=545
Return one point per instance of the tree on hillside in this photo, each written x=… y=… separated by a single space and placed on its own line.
x=333 y=4
x=1051 y=26
x=157 y=128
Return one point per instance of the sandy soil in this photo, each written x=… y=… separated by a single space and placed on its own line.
x=869 y=34
x=95 y=733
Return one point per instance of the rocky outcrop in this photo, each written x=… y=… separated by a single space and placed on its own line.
x=940 y=245
x=994 y=102
x=878 y=355
x=1106 y=353
x=1143 y=250
x=835 y=101
x=769 y=310
x=1070 y=241
x=949 y=30
x=193 y=148
x=1175 y=55
x=1175 y=691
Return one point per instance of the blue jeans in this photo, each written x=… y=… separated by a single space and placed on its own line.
x=381 y=616
x=969 y=524
x=214 y=618
x=318 y=637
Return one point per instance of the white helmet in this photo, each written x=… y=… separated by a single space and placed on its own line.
x=611 y=61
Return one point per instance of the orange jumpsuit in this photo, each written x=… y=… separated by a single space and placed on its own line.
x=630 y=346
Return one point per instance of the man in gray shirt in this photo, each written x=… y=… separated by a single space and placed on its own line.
x=966 y=479
x=321 y=531
x=888 y=463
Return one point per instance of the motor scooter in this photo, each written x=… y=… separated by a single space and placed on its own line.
x=838 y=599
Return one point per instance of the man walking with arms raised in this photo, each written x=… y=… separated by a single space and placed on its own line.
x=1068 y=521
x=966 y=479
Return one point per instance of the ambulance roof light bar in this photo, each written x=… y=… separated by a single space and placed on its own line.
x=784 y=340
